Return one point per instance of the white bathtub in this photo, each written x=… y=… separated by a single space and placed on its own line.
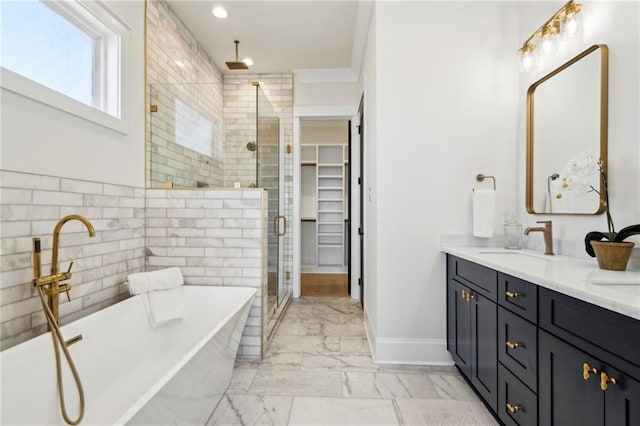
x=132 y=373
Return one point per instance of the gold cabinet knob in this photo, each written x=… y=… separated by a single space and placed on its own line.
x=588 y=370
x=514 y=345
x=470 y=297
x=514 y=408
x=464 y=294
x=512 y=294
x=605 y=380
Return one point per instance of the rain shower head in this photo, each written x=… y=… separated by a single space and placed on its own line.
x=237 y=65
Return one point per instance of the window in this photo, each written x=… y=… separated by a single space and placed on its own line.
x=53 y=48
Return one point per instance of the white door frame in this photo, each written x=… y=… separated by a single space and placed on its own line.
x=345 y=112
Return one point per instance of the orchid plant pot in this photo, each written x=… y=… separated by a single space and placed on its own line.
x=612 y=256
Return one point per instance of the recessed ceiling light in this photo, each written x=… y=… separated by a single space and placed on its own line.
x=248 y=61
x=180 y=64
x=219 y=12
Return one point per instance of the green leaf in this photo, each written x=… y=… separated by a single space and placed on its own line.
x=593 y=236
x=627 y=232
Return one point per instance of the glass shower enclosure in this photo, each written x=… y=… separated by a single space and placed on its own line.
x=194 y=140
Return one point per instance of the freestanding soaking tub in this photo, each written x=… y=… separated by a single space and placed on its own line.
x=132 y=373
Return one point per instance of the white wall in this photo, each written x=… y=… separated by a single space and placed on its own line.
x=39 y=139
x=615 y=24
x=445 y=110
x=324 y=93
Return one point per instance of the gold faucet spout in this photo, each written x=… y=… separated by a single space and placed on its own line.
x=547 y=233
x=56 y=236
x=53 y=280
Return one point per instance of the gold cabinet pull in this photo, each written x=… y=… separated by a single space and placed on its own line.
x=514 y=345
x=512 y=294
x=467 y=296
x=588 y=370
x=605 y=380
x=514 y=408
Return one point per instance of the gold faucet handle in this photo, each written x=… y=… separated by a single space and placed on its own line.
x=68 y=273
x=546 y=222
x=65 y=287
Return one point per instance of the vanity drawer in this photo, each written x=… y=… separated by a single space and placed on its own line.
x=523 y=404
x=582 y=323
x=518 y=347
x=479 y=278
x=519 y=296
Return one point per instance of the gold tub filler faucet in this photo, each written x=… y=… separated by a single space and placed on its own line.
x=49 y=289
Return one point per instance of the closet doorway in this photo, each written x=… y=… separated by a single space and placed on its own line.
x=324 y=207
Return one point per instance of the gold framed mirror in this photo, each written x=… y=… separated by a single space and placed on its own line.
x=567 y=116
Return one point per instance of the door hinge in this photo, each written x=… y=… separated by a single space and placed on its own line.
x=359 y=180
x=360 y=231
x=359 y=131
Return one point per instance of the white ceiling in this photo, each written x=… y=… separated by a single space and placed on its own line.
x=280 y=36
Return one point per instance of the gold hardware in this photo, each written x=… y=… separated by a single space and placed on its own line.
x=552 y=25
x=514 y=408
x=168 y=185
x=512 y=294
x=153 y=108
x=255 y=83
x=468 y=296
x=480 y=177
x=514 y=345
x=588 y=370
x=547 y=233
x=50 y=306
x=53 y=280
x=73 y=340
x=289 y=149
x=605 y=380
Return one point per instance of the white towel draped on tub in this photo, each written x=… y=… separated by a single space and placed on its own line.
x=162 y=293
x=484 y=206
x=162 y=279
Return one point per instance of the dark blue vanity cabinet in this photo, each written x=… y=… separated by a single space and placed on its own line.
x=472 y=319
x=589 y=363
x=538 y=357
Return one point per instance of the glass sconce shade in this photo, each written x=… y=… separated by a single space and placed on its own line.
x=549 y=39
x=527 y=58
x=572 y=25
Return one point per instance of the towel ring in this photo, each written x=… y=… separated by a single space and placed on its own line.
x=480 y=177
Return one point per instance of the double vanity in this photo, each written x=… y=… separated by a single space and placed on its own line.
x=548 y=340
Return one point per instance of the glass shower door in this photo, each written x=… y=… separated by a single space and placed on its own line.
x=268 y=177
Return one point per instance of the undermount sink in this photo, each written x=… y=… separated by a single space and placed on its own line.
x=517 y=253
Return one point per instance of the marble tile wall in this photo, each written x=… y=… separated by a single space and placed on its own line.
x=186 y=86
x=31 y=205
x=216 y=237
x=240 y=128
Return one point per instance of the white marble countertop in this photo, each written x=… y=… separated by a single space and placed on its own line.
x=618 y=291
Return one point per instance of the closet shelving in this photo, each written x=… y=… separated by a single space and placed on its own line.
x=323 y=205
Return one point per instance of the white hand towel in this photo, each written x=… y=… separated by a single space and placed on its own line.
x=165 y=305
x=162 y=279
x=484 y=206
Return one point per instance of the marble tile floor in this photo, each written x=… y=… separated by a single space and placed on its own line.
x=319 y=371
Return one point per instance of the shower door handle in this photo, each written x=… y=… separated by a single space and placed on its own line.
x=276 y=227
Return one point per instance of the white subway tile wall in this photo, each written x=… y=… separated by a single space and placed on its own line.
x=186 y=86
x=216 y=237
x=31 y=206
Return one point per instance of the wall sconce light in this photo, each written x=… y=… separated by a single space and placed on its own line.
x=565 y=23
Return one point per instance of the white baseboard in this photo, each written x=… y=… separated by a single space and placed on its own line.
x=405 y=350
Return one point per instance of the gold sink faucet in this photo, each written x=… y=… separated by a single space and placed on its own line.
x=547 y=232
x=53 y=280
